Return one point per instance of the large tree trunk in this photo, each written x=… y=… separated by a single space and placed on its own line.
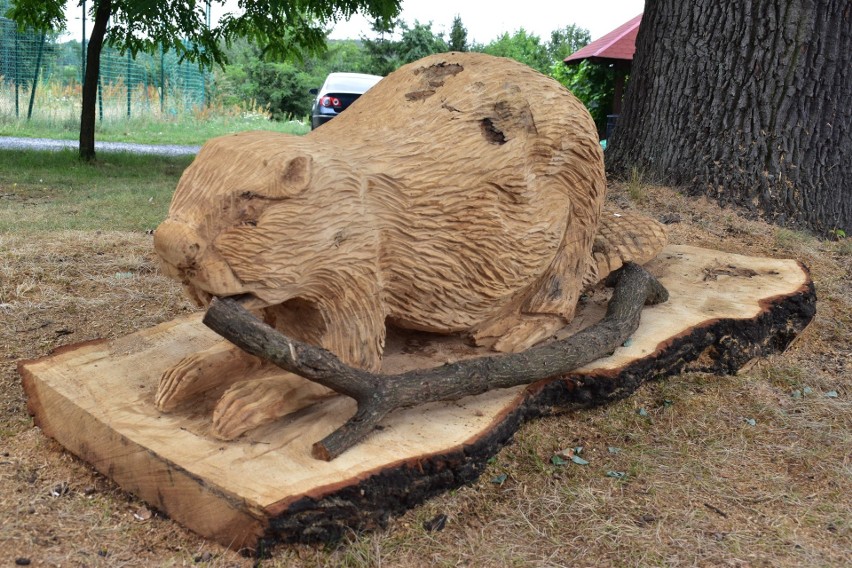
x=747 y=102
x=90 y=82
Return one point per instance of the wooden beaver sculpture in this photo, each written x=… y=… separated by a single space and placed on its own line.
x=462 y=194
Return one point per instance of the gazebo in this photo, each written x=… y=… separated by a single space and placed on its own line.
x=615 y=48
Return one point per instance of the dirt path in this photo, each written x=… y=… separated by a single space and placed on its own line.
x=15 y=143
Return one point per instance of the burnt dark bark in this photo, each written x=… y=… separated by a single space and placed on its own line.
x=746 y=102
x=377 y=395
x=90 y=81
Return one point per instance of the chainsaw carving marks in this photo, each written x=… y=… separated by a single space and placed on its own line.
x=461 y=194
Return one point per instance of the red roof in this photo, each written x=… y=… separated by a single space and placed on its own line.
x=620 y=43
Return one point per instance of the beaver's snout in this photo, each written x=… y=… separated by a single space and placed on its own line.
x=187 y=258
x=178 y=244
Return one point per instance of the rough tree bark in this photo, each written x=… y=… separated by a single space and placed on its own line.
x=90 y=82
x=746 y=102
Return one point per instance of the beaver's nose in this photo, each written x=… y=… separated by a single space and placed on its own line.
x=178 y=244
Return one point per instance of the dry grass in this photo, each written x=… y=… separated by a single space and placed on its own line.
x=703 y=486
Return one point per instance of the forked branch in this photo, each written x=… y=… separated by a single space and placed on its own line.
x=378 y=394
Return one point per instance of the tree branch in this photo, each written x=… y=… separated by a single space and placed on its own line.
x=378 y=394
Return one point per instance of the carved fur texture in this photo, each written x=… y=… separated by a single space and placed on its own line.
x=461 y=194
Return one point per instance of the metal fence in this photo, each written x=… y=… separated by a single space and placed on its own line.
x=41 y=76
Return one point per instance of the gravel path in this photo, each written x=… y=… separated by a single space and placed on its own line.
x=12 y=143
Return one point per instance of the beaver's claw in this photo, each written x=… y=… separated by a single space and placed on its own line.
x=253 y=403
x=218 y=366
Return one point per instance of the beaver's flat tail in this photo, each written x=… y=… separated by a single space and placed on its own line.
x=623 y=237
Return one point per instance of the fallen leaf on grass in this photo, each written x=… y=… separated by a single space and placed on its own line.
x=569 y=454
x=499 y=479
x=558 y=460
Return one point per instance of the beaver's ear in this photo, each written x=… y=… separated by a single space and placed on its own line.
x=294 y=175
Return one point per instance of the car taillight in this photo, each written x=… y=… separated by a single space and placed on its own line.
x=330 y=102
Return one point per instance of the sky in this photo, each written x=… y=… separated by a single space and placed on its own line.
x=487 y=20
x=482 y=18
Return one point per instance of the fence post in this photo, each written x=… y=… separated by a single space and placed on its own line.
x=128 y=83
x=35 y=76
x=17 y=77
x=162 y=80
x=100 y=98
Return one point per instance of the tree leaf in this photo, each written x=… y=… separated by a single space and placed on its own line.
x=578 y=460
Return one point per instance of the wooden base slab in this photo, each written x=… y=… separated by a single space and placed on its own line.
x=96 y=399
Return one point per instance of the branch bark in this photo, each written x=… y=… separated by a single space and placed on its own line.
x=377 y=394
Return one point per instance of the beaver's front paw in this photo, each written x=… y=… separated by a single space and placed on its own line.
x=217 y=366
x=191 y=376
x=253 y=403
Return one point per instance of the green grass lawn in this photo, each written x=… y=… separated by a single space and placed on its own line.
x=185 y=129
x=48 y=191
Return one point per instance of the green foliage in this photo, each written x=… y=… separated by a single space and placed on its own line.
x=523 y=47
x=419 y=41
x=567 y=40
x=281 y=28
x=279 y=87
x=386 y=54
x=382 y=50
x=347 y=56
x=458 y=36
x=283 y=87
x=592 y=83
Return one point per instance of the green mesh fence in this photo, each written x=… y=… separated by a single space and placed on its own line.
x=41 y=77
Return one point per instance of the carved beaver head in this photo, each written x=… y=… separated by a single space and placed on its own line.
x=253 y=215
